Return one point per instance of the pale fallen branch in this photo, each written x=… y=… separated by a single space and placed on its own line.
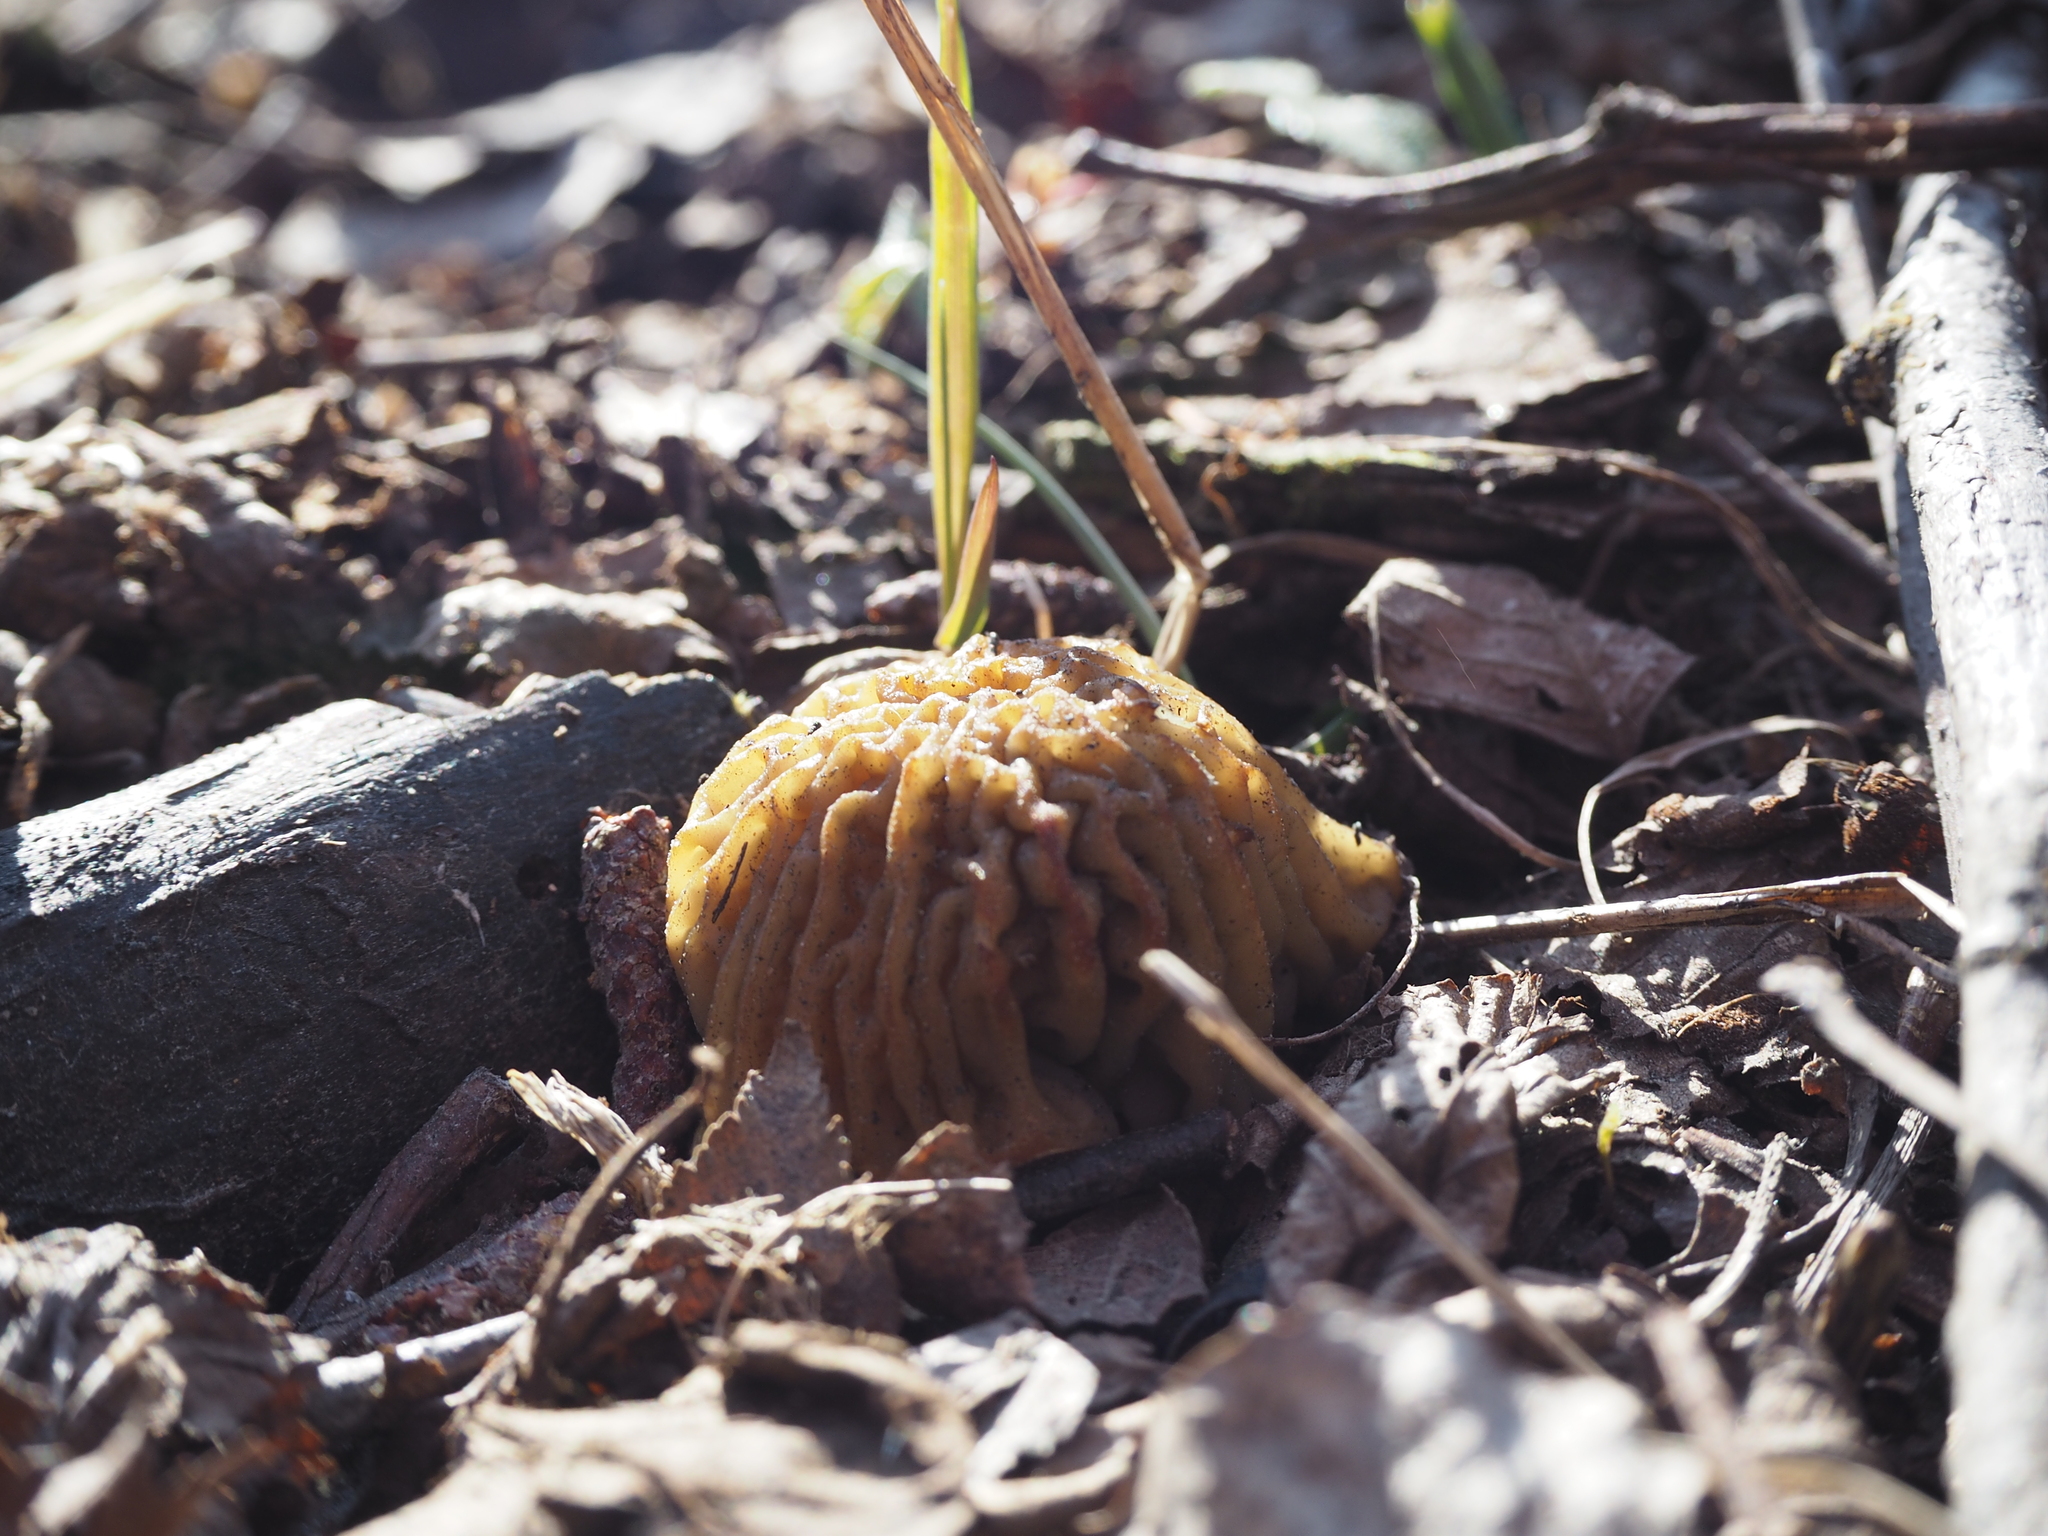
x=347 y=1392
x=1885 y=894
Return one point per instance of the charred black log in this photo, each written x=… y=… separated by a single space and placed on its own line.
x=229 y=994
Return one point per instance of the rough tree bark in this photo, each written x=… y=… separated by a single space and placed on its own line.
x=1950 y=361
x=230 y=993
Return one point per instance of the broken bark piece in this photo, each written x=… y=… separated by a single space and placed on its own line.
x=625 y=916
x=491 y=1275
x=1952 y=362
x=233 y=991
x=471 y=1122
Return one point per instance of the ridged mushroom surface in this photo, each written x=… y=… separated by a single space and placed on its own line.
x=947 y=870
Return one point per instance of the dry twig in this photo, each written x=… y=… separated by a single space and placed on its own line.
x=1710 y=1305
x=1209 y=1011
x=1880 y=895
x=1403 y=729
x=956 y=126
x=1633 y=139
x=1817 y=987
x=1707 y=426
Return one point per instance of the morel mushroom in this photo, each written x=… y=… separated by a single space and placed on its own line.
x=947 y=869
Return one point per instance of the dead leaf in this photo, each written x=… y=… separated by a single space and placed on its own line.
x=1030 y=1388
x=132 y=1388
x=791 y=1429
x=1336 y=1417
x=961 y=1257
x=1444 y=1118
x=1493 y=641
x=1125 y=1265
x=781 y=1137
x=1697 y=988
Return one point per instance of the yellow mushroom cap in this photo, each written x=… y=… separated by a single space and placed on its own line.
x=947 y=869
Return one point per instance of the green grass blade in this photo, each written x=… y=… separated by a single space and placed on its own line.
x=953 y=349
x=1094 y=547
x=1467 y=80
x=876 y=286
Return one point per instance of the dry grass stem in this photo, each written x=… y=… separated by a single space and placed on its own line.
x=1209 y=1011
x=955 y=125
x=1403 y=728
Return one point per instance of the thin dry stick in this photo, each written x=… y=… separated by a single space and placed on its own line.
x=1817 y=987
x=1706 y=425
x=609 y=1178
x=1848 y=217
x=1209 y=1011
x=1705 y=1408
x=1835 y=641
x=1670 y=757
x=1304 y=544
x=1034 y=594
x=1710 y=1304
x=1891 y=944
x=1359 y=1014
x=1885 y=894
x=1874 y=1193
x=1403 y=728
x=956 y=126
